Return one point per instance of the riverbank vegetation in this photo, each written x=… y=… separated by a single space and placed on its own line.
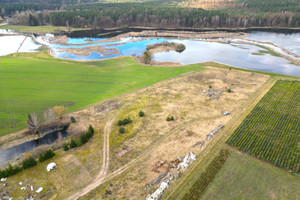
x=26 y=164
x=167 y=14
x=160 y=47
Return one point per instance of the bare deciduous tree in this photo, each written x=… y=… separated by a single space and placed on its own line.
x=49 y=115
x=33 y=122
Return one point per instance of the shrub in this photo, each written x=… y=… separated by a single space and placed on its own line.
x=91 y=130
x=29 y=162
x=170 y=118
x=124 y=121
x=83 y=138
x=190 y=133
x=122 y=130
x=210 y=86
x=141 y=113
x=9 y=171
x=229 y=90
x=180 y=48
x=60 y=111
x=66 y=147
x=147 y=57
x=73 y=120
x=39 y=150
x=58 y=145
x=73 y=144
x=47 y=155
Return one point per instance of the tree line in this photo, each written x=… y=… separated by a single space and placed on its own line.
x=112 y=15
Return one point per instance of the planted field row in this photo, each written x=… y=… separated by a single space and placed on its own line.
x=207 y=176
x=272 y=130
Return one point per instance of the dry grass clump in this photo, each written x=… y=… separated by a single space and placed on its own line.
x=76 y=129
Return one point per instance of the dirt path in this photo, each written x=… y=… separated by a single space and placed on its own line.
x=104 y=177
x=247 y=108
x=105 y=163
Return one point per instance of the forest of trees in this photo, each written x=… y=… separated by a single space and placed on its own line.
x=85 y=13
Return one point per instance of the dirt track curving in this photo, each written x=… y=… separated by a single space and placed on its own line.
x=103 y=172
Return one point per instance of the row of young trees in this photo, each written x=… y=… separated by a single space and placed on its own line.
x=207 y=176
x=26 y=163
x=271 y=131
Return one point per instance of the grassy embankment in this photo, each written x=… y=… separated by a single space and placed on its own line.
x=40 y=29
x=35 y=81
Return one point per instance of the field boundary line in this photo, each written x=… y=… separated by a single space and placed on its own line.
x=224 y=134
x=258 y=94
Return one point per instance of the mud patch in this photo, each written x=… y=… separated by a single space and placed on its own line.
x=122 y=152
x=107 y=107
x=86 y=51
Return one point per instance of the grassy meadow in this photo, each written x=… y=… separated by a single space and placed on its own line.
x=244 y=177
x=39 y=29
x=32 y=82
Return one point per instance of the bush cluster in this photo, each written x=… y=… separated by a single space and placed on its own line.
x=73 y=120
x=66 y=147
x=84 y=138
x=124 y=121
x=170 y=118
x=179 y=48
x=9 y=171
x=73 y=144
x=29 y=162
x=122 y=130
x=47 y=155
x=141 y=114
x=12 y=170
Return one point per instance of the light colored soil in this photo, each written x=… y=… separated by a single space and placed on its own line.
x=86 y=51
x=185 y=34
x=153 y=139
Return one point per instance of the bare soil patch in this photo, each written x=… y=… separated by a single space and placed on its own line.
x=196 y=115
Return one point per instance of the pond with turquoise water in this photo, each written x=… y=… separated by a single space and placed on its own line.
x=247 y=56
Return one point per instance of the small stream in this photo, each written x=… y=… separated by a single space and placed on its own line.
x=18 y=150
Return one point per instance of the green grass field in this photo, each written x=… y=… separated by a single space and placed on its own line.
x=244 y=177
x=33 y=82
x=39 y=29
x=271 y=131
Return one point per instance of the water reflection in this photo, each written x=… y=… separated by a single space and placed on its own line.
x=290 y=42
x=200 y=51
